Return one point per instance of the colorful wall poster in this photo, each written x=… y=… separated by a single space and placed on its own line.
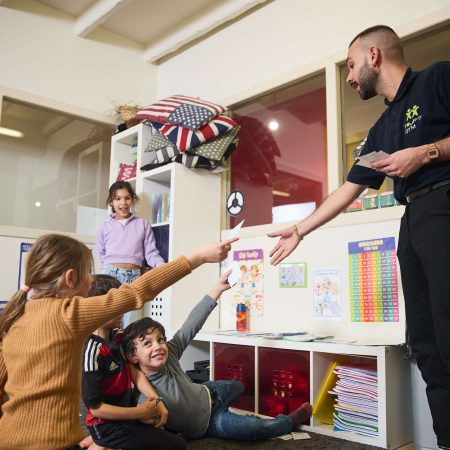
x=250 y=287
x=373 y=281
x=293 y=275
x=327 y=294
x=24 y=249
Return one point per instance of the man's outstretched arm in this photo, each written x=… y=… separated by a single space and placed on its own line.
x=335 y=203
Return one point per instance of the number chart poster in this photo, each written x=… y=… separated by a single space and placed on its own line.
x=249 y=288
x=373 y=281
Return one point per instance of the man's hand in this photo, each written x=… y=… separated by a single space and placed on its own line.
x=286 y=245
x=403 y=163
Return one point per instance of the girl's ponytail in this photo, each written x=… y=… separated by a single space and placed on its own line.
x=13 y=310
x=50 y=257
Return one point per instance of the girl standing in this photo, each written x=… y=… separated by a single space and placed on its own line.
x=42 y=339
x=126 y=240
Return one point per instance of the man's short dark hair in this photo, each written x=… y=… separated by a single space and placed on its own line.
x=101 y=284
x=372 y=30
x=138 y=330
x=386 y=39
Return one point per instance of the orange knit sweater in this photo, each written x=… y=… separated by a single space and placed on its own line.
x=40 y=359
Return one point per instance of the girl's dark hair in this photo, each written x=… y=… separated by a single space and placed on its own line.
x=120 y=185
x=138 y=330
x=50 y=257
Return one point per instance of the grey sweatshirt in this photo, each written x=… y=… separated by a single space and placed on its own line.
x=189 y=404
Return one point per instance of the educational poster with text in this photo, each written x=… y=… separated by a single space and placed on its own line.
x=327 y=294
x=293 y=275
x=373 y=281
x=24 y=249
x=249 y=288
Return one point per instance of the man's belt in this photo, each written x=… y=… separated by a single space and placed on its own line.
x=413 y=195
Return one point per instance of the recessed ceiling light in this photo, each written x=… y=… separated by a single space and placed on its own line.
x=273 y=125
x=11 y=133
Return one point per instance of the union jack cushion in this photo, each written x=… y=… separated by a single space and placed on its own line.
x=185 y=139
x=188 y=112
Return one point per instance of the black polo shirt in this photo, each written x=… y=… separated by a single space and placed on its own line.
x=419 y=114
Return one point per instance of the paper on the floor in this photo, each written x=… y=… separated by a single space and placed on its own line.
x=296 y=435
x=300 y=435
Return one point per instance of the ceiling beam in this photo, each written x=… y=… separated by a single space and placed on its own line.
x=200 y=25
x=98 y=13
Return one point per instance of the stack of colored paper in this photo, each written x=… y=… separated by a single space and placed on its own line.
x=356 y=393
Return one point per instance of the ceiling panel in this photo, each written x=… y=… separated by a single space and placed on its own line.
x=74 y=8
x=145 y=21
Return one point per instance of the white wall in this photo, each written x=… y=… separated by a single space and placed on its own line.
x=282 y=41
x=10 y=247
x=41 y=55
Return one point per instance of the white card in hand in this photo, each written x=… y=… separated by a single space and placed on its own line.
x=234 y=232
x=367 y=160
x=235 y=273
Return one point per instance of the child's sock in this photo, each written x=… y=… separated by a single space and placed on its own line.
x=301 y=414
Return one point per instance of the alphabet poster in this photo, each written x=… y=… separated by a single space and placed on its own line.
x=373 y=281
x=250 y=287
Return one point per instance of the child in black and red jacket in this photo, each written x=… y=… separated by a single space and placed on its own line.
x=113 y=419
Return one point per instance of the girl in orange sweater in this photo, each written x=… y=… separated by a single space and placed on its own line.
x=42 y=338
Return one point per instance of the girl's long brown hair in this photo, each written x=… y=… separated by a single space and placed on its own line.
x=50 y=257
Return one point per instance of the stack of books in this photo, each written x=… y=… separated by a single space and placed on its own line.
x=356 y=392
x=160 y=207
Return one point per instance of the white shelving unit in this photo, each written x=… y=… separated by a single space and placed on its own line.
x=194 y=221
x=394 y=390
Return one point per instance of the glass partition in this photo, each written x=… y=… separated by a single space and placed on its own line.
x=55 y=169
x=279 y=165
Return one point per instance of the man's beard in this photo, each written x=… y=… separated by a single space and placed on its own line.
x=368 y=80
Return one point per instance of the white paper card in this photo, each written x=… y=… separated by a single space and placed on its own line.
x=235 y=231
x=367 y=160
x=300 y=435
x=235 y=274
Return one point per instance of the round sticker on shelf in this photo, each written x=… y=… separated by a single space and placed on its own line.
x=235 y=203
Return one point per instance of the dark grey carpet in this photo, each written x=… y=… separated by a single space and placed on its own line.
x=317 y=441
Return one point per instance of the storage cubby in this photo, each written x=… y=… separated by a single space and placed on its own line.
x=303 y=367
x=232 y=362
x=283 y=380
x=322 y=366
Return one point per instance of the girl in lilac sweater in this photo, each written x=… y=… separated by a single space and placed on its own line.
x=125 y=240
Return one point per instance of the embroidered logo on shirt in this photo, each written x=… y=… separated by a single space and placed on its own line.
x=412 y=117
x=113 y=366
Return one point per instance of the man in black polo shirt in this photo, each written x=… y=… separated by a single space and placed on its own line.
x=414 y=130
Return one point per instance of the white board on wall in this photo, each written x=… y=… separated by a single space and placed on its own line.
x=12 y=265
x=290 y=310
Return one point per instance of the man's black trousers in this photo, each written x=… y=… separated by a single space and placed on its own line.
x=424 y=256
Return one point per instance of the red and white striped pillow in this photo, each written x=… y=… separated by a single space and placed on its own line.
x=189 y=112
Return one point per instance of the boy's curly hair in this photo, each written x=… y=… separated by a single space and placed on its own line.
x=138 y=330
x=101 y=284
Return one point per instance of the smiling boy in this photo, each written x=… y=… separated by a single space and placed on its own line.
x=197 y=410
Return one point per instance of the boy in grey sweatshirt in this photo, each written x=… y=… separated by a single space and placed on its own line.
x=197 y=410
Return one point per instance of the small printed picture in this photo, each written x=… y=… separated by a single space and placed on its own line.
x=293 y=275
